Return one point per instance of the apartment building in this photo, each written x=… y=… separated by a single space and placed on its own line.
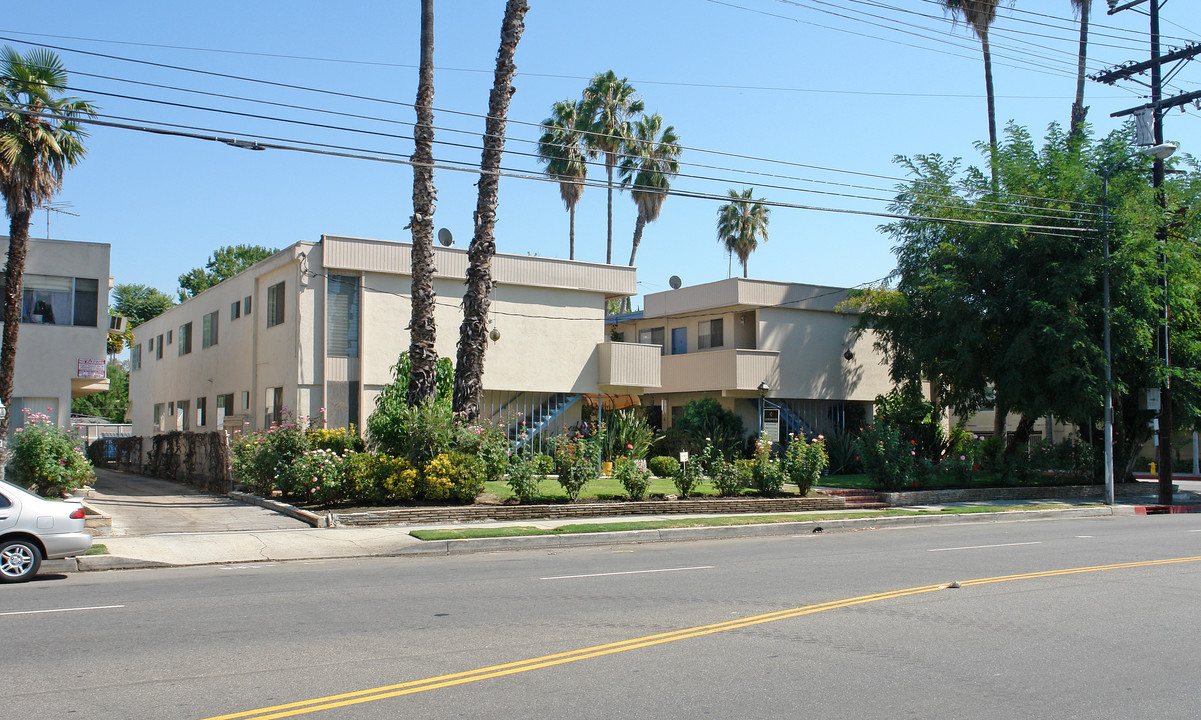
x=61 y=347
x=781 y=347
x=319 y=326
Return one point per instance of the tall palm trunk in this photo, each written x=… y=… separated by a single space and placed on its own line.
x=18 y=246
x=610 y=161
x=422 y=330
x=638 y=226
x=992 y=109
x=473 y=333
x=571 y=233
x=1079 y=111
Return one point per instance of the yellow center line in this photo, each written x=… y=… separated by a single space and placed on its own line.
x=329 y=702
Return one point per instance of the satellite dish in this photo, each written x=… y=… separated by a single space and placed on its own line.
x=675 y=282
x=445 y=237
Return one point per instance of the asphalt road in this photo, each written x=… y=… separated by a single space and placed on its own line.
x=833 y=625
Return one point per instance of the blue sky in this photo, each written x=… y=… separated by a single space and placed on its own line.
x=763 y=93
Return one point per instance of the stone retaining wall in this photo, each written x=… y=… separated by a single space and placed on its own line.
x=479 y=513
x=938 y=497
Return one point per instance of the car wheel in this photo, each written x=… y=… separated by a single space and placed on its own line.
x=19 y=560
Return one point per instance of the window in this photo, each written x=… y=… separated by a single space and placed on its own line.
x=202 y=407
x=185 y=339
x=709 y=334
x=182 y=408
x=158 y=353
x=168 y=337
x=151 y=348
x=653 y=336
x=245 y=399
x=275 y=305
x=246 y=305
x=225 y=405
x=342 y=316
x=46 y=300
x=158 y=416
x=208 y=331
x=87 y=298
x=275 y=406
x=235 y=310
x=135 y=357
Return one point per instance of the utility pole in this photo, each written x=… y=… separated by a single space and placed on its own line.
x=1156 y=108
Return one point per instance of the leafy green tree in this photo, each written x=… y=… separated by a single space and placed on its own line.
x=111 y=404
x=741 y=224
x=473 y=332
x=997 y=297
x=609 y=103
x=39 y=140
x=647 y=169
x=139 y=302
x=223 y=264
x=563 y=149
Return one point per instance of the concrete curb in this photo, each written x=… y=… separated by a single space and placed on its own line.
x=313 y=519
x=92 y=563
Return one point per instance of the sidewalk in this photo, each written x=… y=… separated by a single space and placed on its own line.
x=207 y=548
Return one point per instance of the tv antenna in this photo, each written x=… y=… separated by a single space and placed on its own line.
x=58 y=207
x=445 y=237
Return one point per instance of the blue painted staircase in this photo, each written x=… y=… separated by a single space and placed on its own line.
x=541 y=418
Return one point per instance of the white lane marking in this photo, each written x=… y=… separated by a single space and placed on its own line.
x=61 y=610
x=1193 y=531
x=1084 y=536
x=628 y=572
x=980 y=547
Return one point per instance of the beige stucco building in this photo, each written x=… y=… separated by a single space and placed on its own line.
x=61 y=346
x=736 y=340
x=320 y=325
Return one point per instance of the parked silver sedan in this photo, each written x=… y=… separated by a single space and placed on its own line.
x=33 y=529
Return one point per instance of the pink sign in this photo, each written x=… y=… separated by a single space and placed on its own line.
x=91 y=368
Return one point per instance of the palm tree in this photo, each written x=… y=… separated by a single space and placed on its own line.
x=980 y=15
x=648 y=167
x=1079 y=111
x=741 y=224
x=561 y=147
x=39 y=140
x=609 y=103
x=473 y=333
x=422 y=329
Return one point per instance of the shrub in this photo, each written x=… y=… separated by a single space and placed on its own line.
x=543 y=464
x=279 y=449
x=487 y=442
x=576 y=460
x=804 y=462
x=886 y=460
x=45 y=457
x=627 y=434
x=729 y=478
x=524 y=475
x=320 y=471
x=843 y=453
x=389 y=423
x=95 y=453
x=379 y=478
x=453 y=476
x=765 y=471
x=663 y=466
x=634 y=479
x=340 y=440
x=705 y=420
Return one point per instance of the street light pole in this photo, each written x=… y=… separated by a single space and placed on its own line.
x=1161 y=235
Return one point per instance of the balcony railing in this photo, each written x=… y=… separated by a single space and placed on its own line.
x=628 y=366
x=718 y=370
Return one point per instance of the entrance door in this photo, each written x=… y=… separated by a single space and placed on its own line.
x=679 y=340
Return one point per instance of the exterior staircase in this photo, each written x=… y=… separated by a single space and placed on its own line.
x=857 y=499
x=793 y=423
x=541 y=418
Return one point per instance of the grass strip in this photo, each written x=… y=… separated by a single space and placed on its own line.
x=97 y=549
x=716 y=521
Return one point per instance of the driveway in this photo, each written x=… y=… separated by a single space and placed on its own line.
x=149 y=506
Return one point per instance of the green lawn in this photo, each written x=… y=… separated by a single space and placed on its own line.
x=97 y=549
x=716 y=521
x=979 y=480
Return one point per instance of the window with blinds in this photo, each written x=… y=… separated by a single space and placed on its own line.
x=342 y=316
